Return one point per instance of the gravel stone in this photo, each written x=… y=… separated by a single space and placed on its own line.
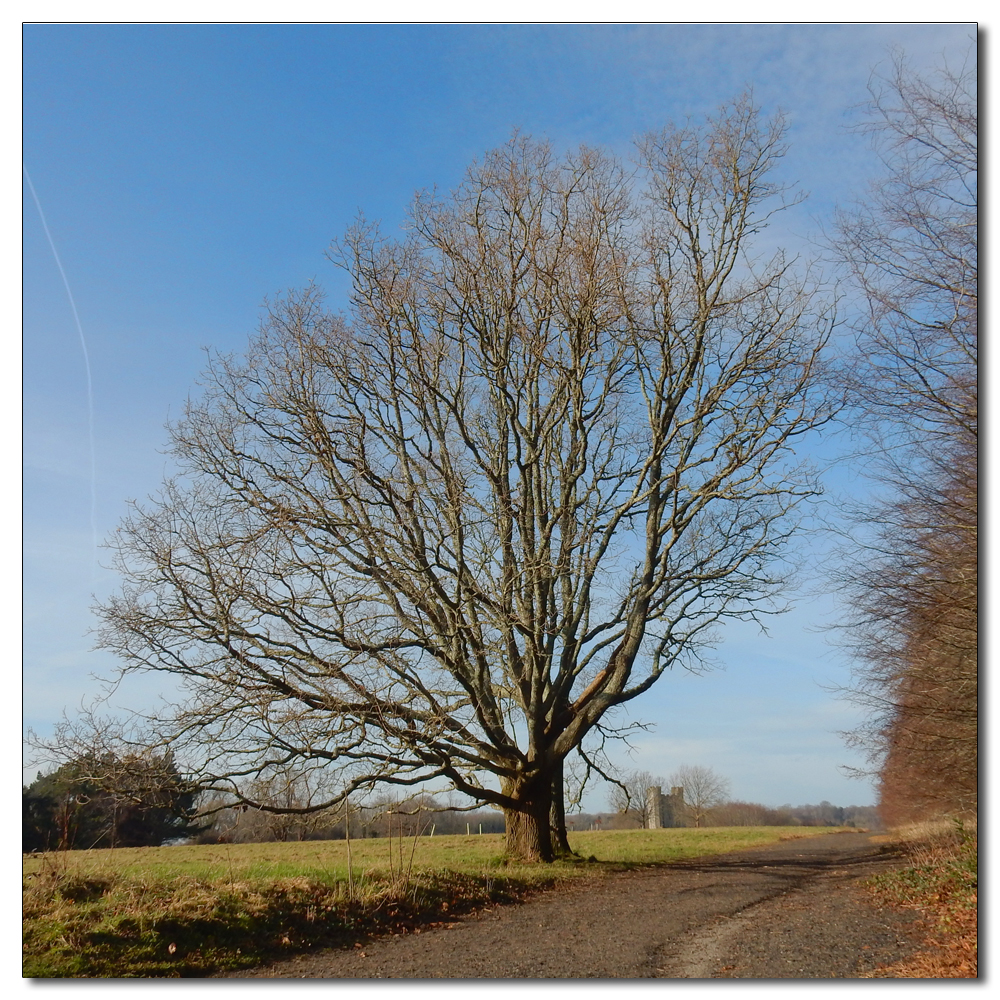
x=793 y=910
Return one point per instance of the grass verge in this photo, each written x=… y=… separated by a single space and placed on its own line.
x=126 y=926
x=942 y=884
x=189 y=911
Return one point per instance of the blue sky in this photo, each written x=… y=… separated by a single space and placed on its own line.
x=186 y=173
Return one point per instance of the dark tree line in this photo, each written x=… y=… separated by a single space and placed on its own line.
x=736 y=812
x=912 y=250
x=70 y=808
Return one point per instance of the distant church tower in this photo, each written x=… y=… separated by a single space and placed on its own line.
x=664 y=810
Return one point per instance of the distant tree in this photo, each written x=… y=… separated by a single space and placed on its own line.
x=108 y=802
x=863 y=816
x=736 y=813
x=628 y=796
x=823 y=814
x=285 y=797
x=61 y=811
x=703 y=790
x=36 y=822
x=287 y=816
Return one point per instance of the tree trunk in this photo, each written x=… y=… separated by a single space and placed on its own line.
x=528 y=833
x=557 y=815
x=528 y=836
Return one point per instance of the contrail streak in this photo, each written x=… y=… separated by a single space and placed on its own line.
x=86 y=364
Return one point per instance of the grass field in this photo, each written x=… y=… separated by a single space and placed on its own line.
x=191 y=910
x=327 y=859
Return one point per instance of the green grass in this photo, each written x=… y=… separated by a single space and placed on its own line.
x=188 y=911
x=327 y=859
x=632 y=847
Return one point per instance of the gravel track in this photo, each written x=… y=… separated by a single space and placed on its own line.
x=792 y=910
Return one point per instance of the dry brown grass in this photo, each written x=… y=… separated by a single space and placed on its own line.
x=941 y=884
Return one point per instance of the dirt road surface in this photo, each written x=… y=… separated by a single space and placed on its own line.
x=793 y=910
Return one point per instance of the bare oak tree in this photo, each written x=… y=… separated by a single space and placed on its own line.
x=912 y=248
x=704 y=789
x=445 y=538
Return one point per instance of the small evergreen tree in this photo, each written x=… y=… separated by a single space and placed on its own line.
x=107 y=802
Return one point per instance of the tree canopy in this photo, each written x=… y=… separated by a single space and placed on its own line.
x=444 y=537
